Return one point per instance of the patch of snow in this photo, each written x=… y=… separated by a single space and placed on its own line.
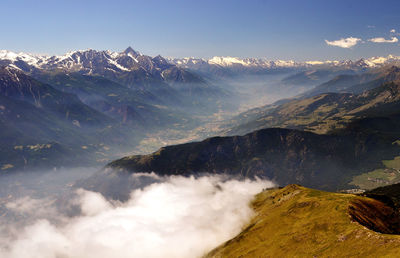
x=14 y=67
x=134 y=58
x=118 y=65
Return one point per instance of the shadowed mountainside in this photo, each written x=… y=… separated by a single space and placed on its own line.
x=283 y=155
x=388 y=194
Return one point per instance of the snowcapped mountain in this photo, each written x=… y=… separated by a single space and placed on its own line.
x=29 y=59
x=138 y=78
x=189 y=62
x=230 y=62
x=129 y=67
x=87 y=61
x=251 y=62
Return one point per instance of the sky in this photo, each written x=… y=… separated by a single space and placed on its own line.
x=284 y=29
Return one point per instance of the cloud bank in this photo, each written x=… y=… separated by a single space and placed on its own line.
x=383 y=40
x=344 y=42
x=177 y=217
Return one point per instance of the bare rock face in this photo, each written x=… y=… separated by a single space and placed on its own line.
x=375 y=215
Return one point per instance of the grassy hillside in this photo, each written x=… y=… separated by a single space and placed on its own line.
x=301 y=222
x=389 y=174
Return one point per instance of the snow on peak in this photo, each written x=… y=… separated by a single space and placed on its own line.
x=85 y=59
x=226 y=61
x=112 y=54
x=314 y=62
x=252 y=62
x=186 y=61
x=30 y=59
x=288 y=63
x=8 y=55
x=379 y=60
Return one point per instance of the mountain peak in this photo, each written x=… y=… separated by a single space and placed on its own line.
x=226 y=61
x=160 y=58
x=131 y=51
x=392 y=73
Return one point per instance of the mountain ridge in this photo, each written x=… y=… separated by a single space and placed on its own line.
x=283 y=155
x=126 y=59
x=327 y=107
x=297 y=221
x=227 y=61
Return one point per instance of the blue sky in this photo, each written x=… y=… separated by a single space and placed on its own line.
x=203 y=28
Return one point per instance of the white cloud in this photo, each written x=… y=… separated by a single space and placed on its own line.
x=177 y=217
x=344 y=42
x=383 y=40
x=392 y=31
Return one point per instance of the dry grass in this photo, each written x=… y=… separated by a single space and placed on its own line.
x=300 y=222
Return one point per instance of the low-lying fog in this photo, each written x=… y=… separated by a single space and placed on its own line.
x=43 y=215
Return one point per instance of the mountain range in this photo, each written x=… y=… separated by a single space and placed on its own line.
x=134 y=66
x=130 y=59
x=94 y=102
x=325 y=107
x=98 y=104
x=153 y=75
x=349 y=134
x=264 y=65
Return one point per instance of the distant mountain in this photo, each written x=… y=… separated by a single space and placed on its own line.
x=89 y=105
x=77 y=120
x=82 y=98
x=368 y=94
x=44 y=127
x=136 y=66
x=232 y=61
x=128 y=67
x=147 y=76
x=228 y=66
x=357 y=83
x=313 y=77
x=16 y=85
x=363 y=130
x=133 y=107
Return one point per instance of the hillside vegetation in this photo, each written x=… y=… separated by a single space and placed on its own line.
x=300 y=222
